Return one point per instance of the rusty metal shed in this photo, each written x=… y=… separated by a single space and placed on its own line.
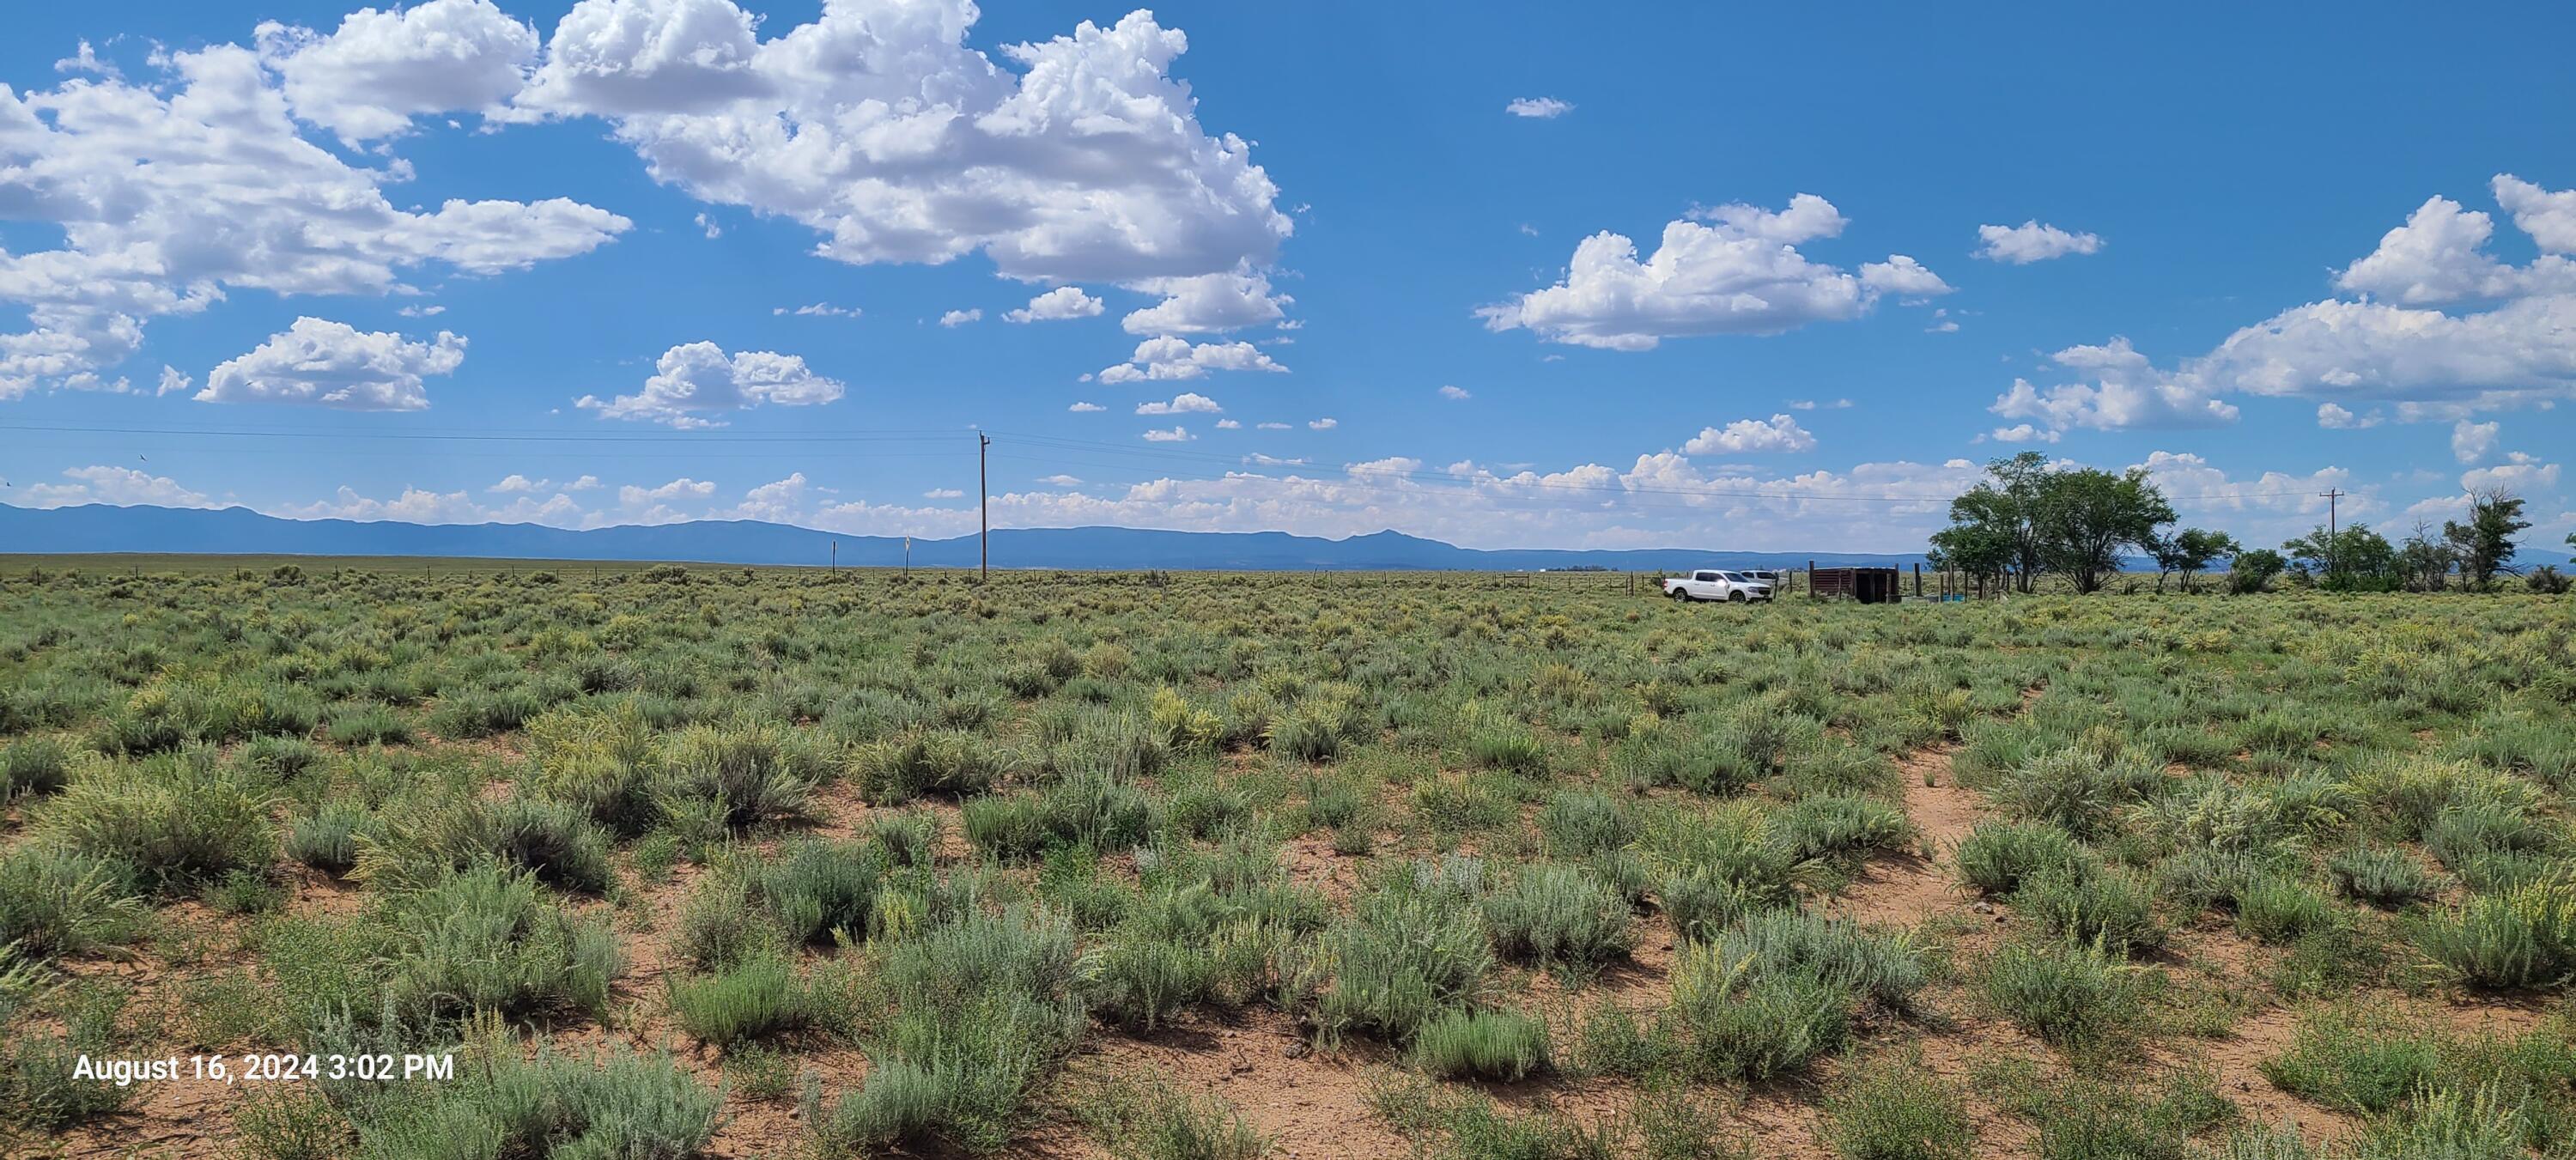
x=1866 y=585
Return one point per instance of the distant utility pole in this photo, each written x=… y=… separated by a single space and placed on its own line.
x=985 y=500
x=836 y=557
x=2331 y=494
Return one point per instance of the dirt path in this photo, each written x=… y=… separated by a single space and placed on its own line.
x=1307 y=1103
x=1906 y=887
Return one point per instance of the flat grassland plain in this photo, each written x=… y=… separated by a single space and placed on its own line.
x=678 y=861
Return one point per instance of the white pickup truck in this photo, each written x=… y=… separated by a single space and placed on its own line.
x=1715 y=584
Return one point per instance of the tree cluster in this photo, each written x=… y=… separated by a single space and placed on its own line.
x=2030 y=518
x=2355 y=558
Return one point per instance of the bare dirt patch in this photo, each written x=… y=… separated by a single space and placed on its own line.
x=1308 y=1102
x=1906 y=887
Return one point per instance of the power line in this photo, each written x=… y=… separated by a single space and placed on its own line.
x=498 y=435
x=1485 y=484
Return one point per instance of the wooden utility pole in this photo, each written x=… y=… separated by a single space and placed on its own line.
x=2332 y=494
x=985 y=500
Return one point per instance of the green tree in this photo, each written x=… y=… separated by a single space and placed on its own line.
x=2187 y=550
x=2485 y=543
x=2253 y=569
x=1978 y=550
x=2425 y=563
x=2087 y=516
x=2353 y=558
x=1992 y=530
x=2028 y=518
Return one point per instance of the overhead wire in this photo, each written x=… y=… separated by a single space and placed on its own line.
x=1370 y=476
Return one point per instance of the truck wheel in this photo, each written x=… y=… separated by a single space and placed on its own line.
x=1681 y=595
x=1735 y=598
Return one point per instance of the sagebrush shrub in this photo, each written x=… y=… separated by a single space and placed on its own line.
x=33 y=765
x=1577 y=824
x=1401 y=957
x=2281 y=909
x=431 y=836
x=328 y=839
x=488 y=940
x=1996 y=856
x=1884 y=967
x=178 y=818
x=915 y=764
x=2089 y=903
x=753 y=1000
x=552 y=1104
x=1714 y=763
x=1145 y=979
x=56 y=902
x=1493 y=1045
x=1734 y=1021
x=370 y=724
x=1720 y=866
x=2525 y=937
x=2063 y=993
x=821 y=891
x=2077 y=788
x=1898 y=1111
x=1559 y=914
x=754 y=772
x=2380 y=876
x=981 y=1008
x=1841 y=826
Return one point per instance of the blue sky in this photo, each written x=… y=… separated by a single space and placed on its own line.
x=231 y=272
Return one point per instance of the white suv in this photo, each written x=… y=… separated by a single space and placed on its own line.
x=1716 y=584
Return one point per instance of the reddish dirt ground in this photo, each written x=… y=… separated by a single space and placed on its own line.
x=1315 y=1104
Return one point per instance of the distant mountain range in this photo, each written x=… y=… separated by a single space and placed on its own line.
x=236 y=530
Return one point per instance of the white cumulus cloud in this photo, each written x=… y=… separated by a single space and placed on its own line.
x=117 y=486
x=1182 y=404
x=694 y=382
x=1206 y=304
x=1169 y=358
x=2471 y=442
x=879 y=128
x=2032 y=241
x=1538 y=108
x=368 y=79
x=2121 y=390
x=2521 y=473
x=1736 y=271
x=317 y=362
x=1058 y=304
x=1780 y=433
x=171 y=193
